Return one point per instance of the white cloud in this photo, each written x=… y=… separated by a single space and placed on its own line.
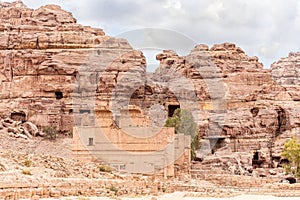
x=259 y=27
x=269 y=50
x=171 y=4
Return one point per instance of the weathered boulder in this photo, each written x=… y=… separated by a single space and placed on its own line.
x=31 y=129
x=18 y=129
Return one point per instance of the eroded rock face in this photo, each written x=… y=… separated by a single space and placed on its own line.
x=44 y=52
x=51 y=67
x=243 y=107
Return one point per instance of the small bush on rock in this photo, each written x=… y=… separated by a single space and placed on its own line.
x=113 y=189
x=27 y=163
x=26 y=172
x=105 y=168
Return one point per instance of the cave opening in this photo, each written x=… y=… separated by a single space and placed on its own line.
x=218 y=144
x=171 y=109
x=18 y=116
x=283 y=162
x=256 y=155
x=254 y=111
x=257 y=160
x=59 y=95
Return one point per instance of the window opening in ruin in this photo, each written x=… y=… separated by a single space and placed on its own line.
x=91 y=141
x=171 y=109
x=70 y=111
x=18 y=116
x=59 y=95
x=85 y=111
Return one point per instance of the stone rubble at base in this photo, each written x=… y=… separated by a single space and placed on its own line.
x=52 y=68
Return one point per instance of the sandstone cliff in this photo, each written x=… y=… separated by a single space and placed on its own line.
x=244 y=108
x=52 y=68
x=41 y=53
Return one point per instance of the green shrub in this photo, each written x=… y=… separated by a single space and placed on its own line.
x=291 y=152
x=183 y=122
x=27 y=163
x=26 y=172
x=195 y=144
x=105 y=168
x=113 y=189
x=51 y=132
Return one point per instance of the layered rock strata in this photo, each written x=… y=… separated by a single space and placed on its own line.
x=52 y=69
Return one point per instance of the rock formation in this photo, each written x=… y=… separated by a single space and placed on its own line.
x=26 y=130
x=246 y=112
x=52 y=69
x=41 y=54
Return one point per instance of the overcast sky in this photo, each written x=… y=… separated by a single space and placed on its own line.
x=269 y=29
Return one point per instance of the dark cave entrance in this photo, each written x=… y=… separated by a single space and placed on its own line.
x=257 y=160
x=283 y=162
x=216 y=142
x=254 y=111
x=256 y=155
x=18 y=116
x=59 y=95
x=171 y=109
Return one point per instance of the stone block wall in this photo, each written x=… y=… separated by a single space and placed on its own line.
x=158 y=154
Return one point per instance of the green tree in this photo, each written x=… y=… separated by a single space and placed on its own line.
x=183 y=122
x=291 y=152
x=195 y=144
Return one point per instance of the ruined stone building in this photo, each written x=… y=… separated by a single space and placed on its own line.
x=55 y=72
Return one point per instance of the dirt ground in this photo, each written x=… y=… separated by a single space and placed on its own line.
x=61 y=147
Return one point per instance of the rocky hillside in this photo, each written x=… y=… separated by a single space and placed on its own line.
x=52 y=68
x=244 y=108
x=43 y=53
